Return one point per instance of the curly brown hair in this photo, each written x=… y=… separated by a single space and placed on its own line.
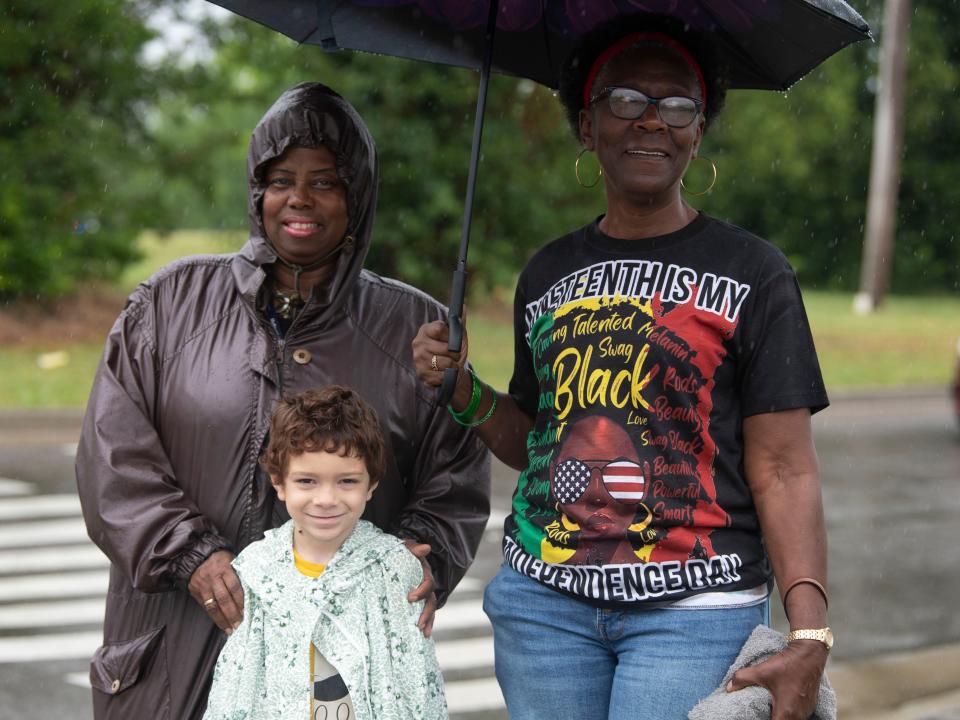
x=331 y=419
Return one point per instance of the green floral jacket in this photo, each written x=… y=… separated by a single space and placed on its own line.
x=356 y=613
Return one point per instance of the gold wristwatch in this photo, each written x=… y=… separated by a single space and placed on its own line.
x=824 y=635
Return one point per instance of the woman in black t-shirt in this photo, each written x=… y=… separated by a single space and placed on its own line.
x=659 y=413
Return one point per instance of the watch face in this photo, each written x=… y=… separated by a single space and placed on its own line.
x=828 y=638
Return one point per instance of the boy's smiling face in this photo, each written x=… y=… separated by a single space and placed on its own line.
x=325 y=494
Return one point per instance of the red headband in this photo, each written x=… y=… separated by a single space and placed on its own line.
x=632 y=39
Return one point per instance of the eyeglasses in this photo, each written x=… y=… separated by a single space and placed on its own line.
x=677 y=111
x=622 y=479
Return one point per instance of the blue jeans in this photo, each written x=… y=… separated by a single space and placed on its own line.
x=557 y=657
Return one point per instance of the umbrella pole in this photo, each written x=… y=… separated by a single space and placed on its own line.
x=454 y=318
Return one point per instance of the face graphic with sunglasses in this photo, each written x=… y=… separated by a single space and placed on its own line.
x=645 y=122
x=599 y=483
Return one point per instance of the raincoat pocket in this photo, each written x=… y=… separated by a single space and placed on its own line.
x=120 y=671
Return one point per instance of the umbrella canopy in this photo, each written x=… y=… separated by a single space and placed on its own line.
x=763 y=44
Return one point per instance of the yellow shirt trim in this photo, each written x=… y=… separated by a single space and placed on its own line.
x=306 y=567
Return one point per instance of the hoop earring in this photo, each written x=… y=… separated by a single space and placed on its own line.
x=713 y=180
x=576 y=170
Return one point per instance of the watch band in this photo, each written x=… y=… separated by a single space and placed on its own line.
x=824 y=635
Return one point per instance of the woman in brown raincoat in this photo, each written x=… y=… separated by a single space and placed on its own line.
x=167 y=464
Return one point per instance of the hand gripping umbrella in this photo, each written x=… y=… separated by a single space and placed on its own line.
x=764 y=44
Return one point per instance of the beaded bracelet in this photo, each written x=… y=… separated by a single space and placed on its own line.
x=466 y=417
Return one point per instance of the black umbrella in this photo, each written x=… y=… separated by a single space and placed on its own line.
x=764 y=44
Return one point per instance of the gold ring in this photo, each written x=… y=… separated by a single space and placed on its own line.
x=433 y=364
x=208 y=603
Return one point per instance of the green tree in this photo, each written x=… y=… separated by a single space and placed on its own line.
x=70 y=130
x=795 y=168
x=422 y=118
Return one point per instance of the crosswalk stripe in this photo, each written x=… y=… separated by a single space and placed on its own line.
x=451 y=654
x=474 y=695
x=30 y=600
x=14 y=487
x=467 y=584
x=54 y=613
x=44 y=532
x=35 y=507
x=32 y=560
x=460 y=616
x=43 y=648
x=462 y=696
x=63 y=584
x=454 y=616
x=465 y=654
x=497 y=518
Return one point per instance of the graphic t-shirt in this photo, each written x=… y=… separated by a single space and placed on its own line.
x=639 y=360
x=329 y=696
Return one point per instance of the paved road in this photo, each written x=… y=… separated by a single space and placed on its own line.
x=891 y=467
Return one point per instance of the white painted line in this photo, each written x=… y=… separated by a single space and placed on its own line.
x=467 y=584
x=461 y=615
x=69 y=449
x=80 y=679
x=52 y=614
x=497 y=516
x=35 y=507
x=59 y=585
x=463 y=696
x=43 y=648
x=46 y=532
x=14 y=487
x=474 y=695
x=465 y=654
x=33 y=560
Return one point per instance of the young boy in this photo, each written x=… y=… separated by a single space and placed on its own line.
x=327 y=630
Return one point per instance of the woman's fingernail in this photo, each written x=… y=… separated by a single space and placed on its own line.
x=730 y=686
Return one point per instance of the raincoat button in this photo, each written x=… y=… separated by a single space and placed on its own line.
x=115 y=686
x=301 y=356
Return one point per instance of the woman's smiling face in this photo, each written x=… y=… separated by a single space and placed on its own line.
x=304 y=204
x=644 y=158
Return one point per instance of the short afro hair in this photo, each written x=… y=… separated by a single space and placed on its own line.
x=576 y=67
x=331 y=419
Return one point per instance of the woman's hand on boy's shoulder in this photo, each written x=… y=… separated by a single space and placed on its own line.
x=423 y=591
x=217 y=589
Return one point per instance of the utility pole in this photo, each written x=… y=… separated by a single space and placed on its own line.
x=885 y=160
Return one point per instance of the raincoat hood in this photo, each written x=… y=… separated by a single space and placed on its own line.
x=313 y=115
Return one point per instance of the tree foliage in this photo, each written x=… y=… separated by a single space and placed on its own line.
x=422 y=118
x=83 y=137
x=795 y=168
x=70 y=135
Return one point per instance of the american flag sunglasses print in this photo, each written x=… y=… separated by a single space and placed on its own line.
x=623 y=480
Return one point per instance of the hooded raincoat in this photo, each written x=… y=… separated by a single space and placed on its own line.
x=167 y=462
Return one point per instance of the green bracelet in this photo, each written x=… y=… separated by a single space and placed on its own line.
x=489 y=414
x=470 y=411
x=469 y=422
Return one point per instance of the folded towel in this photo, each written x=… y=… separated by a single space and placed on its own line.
x=753 y=703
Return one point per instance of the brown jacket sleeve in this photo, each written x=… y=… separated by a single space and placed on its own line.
x=450 y=504
x=133 y=508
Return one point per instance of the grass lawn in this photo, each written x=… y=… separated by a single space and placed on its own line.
x=24 y=384
x=910 y=342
